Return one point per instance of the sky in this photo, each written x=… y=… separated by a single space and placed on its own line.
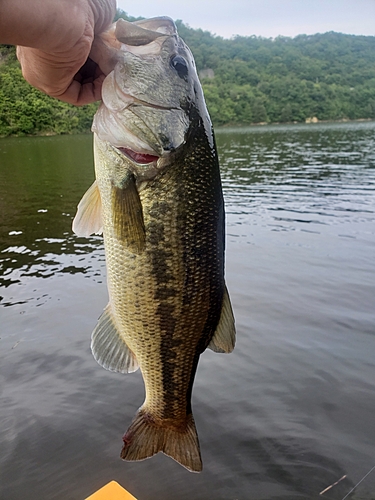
x=267 y=18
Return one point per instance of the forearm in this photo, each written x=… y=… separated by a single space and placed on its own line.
x=43 y=24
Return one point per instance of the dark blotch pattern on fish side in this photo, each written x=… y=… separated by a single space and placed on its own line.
x=168 y=347
x=161 y=256
x=164 y=293
x=161 y=271
x=159 y=208
x=198 y=213
x=160 y=253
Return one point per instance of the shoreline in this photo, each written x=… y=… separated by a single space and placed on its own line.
x=216 y=127
x=306 y=122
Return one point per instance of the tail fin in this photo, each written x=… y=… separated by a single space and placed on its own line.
x=145 y=438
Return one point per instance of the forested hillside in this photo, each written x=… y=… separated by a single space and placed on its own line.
x=246 y=80
x=25 y=110
x=330 y=76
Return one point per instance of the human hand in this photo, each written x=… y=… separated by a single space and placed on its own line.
x=58 y=62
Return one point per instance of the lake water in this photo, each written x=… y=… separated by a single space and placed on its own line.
x=287 y=414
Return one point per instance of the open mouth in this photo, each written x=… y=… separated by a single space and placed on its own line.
x=141 y=158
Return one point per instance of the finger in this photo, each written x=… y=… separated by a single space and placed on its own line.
x=49 y=73
x=104 y=12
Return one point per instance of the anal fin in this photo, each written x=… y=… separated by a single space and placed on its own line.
x=224 y=338
x=108 y=347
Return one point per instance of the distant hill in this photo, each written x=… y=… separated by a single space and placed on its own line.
x=246 y=80
x=329 y=76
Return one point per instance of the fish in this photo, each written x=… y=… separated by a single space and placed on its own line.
x=158 y=201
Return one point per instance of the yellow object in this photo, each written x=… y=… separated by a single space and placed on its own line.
x=111 y=491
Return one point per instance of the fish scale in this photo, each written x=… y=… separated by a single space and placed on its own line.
x=164 y=264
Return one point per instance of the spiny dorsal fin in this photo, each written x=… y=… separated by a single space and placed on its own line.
x=225 y=335
x=108 y=348
x=88 y=219
x=128 y=215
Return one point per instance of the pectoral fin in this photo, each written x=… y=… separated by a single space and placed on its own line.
x=224 y=337
x=108 y=347
x=128 y=216
x=88 y=219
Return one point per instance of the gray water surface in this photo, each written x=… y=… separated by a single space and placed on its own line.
x=288 y=413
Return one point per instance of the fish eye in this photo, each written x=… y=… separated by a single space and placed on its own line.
x=180 y=65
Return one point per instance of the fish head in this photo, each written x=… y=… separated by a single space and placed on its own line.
x=151 y=96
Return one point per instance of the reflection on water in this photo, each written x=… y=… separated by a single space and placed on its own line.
x=308 y=175
x=287 y=414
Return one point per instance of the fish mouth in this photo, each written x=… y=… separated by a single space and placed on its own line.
x=140 y=158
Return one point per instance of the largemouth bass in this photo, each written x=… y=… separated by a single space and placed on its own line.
x=158 y=200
